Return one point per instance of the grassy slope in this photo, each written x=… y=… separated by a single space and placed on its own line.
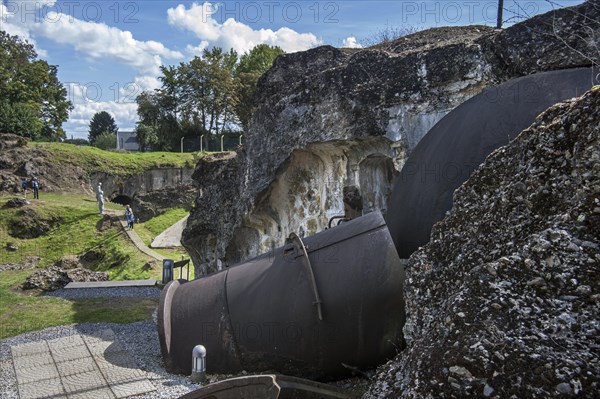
x=77 y=233
x=94 y=159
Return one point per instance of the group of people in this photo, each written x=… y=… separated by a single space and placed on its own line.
x=128 y=211
x=34 y=184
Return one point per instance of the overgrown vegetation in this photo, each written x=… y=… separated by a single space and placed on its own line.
x=117 y=164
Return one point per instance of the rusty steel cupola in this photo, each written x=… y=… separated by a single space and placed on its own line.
x=306 y=309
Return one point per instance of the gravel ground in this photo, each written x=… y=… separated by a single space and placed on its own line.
x=140 y=339
x=116 y=292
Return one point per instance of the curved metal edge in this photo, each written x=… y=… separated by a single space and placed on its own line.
x=311 y=275
x=268 y=386
x=164 y=321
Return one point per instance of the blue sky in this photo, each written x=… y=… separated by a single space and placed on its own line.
x=110 y=51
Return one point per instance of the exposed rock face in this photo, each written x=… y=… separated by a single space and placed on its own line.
x=30 y=224
x=60 y=274
x=503 y=302
x=332 y=118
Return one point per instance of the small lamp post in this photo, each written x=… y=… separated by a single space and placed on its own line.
x=198 y=364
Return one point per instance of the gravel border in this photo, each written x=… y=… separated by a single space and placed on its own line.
x=113 y=292
x=140 y=339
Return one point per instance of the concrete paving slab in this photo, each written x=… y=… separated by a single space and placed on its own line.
x=83 y=382
x=42 y=389
x=76 y=366
x=104 y=347
x=86 y=367
x=71 y=340
x=29 y=349
x=37 y=373
x=126 y=389
x=35 y=360
x=67 y=353
x=99 y=393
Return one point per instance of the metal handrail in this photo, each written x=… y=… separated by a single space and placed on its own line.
x=313 y=282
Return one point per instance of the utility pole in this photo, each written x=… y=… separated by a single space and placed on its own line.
x=500 y=11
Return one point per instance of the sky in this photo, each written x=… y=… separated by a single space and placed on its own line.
x=109 y=51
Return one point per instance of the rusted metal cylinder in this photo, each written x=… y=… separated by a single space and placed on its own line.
x=288 y=313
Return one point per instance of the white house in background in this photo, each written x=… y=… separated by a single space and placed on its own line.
x=127 y=141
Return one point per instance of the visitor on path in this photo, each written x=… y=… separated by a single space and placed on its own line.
x=24 y=186
x=129 y=216
x=100 y=198
x=35 y=184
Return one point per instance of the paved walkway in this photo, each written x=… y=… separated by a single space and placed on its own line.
x=171 y=237
x=133 y=236
x=78 y=367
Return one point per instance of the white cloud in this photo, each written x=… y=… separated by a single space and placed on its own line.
x=98 y=40
x=350 y=42
x=125 y=115
x=233 y=34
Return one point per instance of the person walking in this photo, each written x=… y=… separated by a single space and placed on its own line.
x=24 y=186
x=100 y=197
x=36 y=188
x=129 y=217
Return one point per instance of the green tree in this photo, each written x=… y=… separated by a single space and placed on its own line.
x=251 y=67
x=146 y=135
x=30 y=88
x=106 y=141
x=101 y=122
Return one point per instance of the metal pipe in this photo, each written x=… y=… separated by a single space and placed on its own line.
x=222 y=137
x=241 y=135
x=201 y=143
x=182 y=144
x=258 y=316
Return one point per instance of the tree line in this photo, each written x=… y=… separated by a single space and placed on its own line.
x=209 y=96
x=33 y=102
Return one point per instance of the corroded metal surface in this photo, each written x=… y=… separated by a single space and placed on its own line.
x=261 y=315
x=268 y=387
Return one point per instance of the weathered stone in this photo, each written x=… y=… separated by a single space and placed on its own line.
x=330 y=118
x=542 y=339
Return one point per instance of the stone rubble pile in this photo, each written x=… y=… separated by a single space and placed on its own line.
x=504 y=300
x=63 y=272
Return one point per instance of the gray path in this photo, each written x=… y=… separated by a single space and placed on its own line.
x=137 y=241
x=171 y=237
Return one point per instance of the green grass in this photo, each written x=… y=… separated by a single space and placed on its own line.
x=24 y=312
x=153 y=227
x=93 y=159
x=75 y=234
